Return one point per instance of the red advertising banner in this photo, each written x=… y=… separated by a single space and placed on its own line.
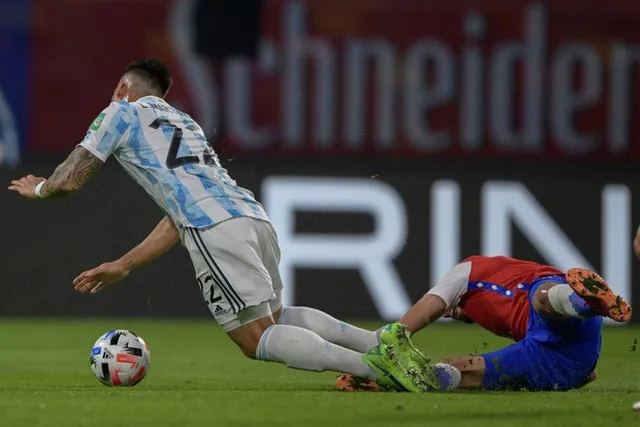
x=401 y=79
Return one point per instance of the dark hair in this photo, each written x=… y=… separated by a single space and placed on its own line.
x=156 y=73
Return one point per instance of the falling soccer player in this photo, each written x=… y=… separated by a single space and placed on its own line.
x=228 y=235
x=555 y=317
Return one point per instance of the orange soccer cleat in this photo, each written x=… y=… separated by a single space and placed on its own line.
x=348 y=382
x=596 y=293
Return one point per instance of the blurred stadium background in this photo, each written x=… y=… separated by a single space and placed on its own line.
x=387 y=139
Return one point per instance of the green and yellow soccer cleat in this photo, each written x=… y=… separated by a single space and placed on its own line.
x=388 y=372
x=408 y=358
x=386 y=382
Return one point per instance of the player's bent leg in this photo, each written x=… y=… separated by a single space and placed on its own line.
x=542 y=305
x=582 y=294
x=535 y=366
x=560 y=301
x=522 y=365
x=462 y=372
x=329 y=328
x=598 y=295
x=517 y=366
x=303 y=349
x=231 y=261
x=262 y=339
x=247 y=328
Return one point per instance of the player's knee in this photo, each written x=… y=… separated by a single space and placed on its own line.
x=247 y=341
x=589 y=379
x=249 y=350
x=247 y=337
x=540 y=300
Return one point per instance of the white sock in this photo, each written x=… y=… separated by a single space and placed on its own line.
x=304 y=349
x=566 y=302
x=448 y=375
x=330 y=328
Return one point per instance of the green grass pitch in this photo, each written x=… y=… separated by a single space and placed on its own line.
x=198 y=378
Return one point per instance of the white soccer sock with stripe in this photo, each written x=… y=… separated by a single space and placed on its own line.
x=304 y=349
x=566 y=302
x=330 y=328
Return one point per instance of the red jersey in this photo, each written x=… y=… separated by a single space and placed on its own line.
x=496 y=295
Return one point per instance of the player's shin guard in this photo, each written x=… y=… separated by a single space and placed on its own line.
x=303 y=349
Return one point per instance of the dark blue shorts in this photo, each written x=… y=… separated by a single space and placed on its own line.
x=554 y=355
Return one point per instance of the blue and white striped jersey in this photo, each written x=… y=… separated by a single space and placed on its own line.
x=165 y=151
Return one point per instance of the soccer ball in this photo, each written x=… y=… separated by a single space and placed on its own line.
x=120 y=358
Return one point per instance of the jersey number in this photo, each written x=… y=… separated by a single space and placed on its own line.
x=173 y=161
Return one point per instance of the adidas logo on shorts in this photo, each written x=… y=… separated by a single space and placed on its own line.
x=219 y=311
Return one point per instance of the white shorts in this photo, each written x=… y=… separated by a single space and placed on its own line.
x=236 y=264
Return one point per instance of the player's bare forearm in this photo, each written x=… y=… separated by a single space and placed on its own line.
x=159 y=241
x=426 y=311
x=72 y=174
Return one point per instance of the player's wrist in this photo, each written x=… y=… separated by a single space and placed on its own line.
x=127 y=264
x=38 y=190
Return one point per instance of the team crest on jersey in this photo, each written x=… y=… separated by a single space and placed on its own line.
x=97 y=122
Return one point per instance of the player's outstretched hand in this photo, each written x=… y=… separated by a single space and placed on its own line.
x=26 y=186
x=98 y=278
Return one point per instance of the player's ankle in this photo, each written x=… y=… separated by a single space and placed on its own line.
x=581 y=306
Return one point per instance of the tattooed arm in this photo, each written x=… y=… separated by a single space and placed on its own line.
x=108 y=132
x=70 y=176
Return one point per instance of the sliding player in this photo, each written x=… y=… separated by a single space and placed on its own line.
x=554 y=317
x=230 y=239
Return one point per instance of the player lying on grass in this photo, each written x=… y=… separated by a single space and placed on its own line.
x=233 y=247
x=554 y=317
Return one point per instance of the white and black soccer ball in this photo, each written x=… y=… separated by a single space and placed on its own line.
x=120 y=358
